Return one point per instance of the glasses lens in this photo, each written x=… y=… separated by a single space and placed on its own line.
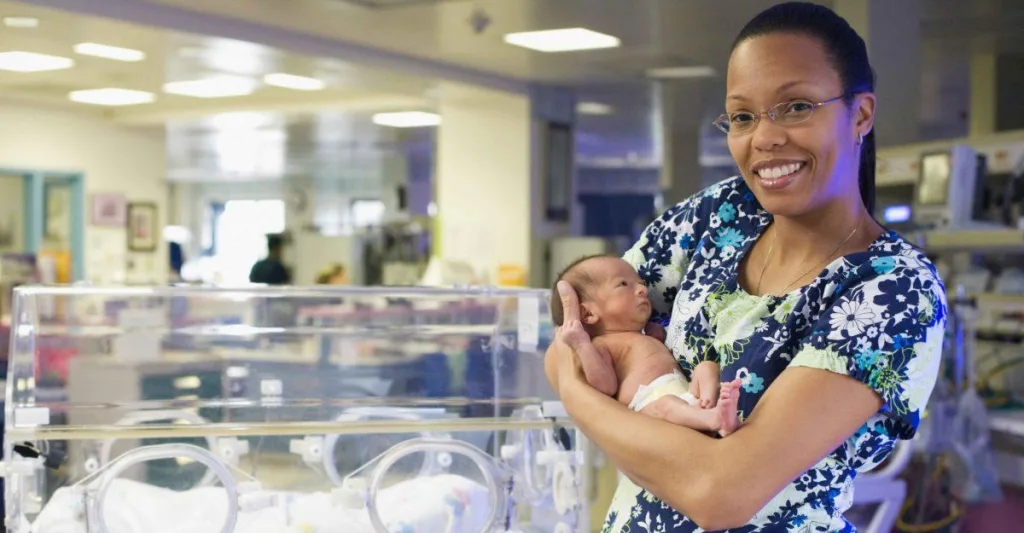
x=793 y=112
x=741 y=122
x=722 y=123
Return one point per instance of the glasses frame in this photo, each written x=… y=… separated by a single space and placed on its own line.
x=771 y=112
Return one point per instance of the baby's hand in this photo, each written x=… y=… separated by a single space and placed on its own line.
x=574 y=334
x=705 y=384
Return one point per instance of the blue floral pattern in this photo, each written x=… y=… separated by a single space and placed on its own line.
x=877 y=316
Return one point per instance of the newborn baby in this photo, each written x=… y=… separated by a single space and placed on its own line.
x=619 y=360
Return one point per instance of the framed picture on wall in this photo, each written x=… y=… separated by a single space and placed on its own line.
x=143 y=233
x=109 y=210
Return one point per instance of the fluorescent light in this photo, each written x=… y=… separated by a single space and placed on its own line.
x=111 y=97
x=33 y=62
x=21 y=22
x=681 y=72
x=109 y=52
x=214 y=87
x=564 y=40
x=407 y=119
x=290 y=81
x=593 y=108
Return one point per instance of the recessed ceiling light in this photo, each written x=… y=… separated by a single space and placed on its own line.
x=33 y=62
x=21 y=22
x=681 y=72
x=563 y=40
x=214 y=87
x=111 y=97
x=407 y=119
x=291 y=81
x=593 y=108
x=109 y=52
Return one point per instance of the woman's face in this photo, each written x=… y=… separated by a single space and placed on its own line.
x=800 y=168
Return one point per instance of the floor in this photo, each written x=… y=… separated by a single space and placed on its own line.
x=1004 y=516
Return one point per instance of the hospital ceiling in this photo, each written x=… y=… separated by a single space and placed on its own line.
x=387 y=54
x=147 y=59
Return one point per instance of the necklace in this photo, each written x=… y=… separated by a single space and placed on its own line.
x=771 y=248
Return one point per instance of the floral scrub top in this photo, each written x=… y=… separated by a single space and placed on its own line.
x=877 y=316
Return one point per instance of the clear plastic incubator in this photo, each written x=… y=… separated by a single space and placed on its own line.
x=194 y=410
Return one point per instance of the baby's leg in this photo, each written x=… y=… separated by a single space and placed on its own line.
x=727 y=409
x=722 y=418
x=675 y=410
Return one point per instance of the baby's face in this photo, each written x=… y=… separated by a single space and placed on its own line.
x=619 y=297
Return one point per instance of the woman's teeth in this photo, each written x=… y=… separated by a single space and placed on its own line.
x=780 y=171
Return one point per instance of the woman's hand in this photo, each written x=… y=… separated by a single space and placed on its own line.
x=561 y=363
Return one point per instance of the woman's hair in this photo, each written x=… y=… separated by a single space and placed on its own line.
x=848 y=54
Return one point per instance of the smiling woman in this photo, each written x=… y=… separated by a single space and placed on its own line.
x=782 y=278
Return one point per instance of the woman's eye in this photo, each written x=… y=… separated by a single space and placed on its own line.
x=799 y=107
x=741 y=118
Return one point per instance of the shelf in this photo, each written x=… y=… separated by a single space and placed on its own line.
x=1007 y=241
x=1010 y=422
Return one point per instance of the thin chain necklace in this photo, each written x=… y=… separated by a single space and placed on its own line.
x=771 y=248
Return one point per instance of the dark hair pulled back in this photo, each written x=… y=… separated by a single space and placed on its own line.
x=848 y=54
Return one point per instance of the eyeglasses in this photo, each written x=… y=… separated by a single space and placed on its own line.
x=785 y=114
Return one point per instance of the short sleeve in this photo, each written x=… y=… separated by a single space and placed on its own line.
x=884 y=326
x=662 y=254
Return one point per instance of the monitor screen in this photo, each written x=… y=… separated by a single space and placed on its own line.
x=933 y=189
x=897 y=214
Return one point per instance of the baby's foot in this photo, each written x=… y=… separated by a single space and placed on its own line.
x=728 y=407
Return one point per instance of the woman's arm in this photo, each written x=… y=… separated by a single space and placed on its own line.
x=842 y=375
x=722 y=483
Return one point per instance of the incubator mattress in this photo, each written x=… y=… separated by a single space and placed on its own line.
x=448 y=503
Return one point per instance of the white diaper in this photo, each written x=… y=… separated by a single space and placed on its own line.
x=674 y=384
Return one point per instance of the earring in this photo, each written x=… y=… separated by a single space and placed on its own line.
x=861 y=141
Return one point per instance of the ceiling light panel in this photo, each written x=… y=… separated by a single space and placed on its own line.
x=111 y=96
x=18 y=61
x=681 y=72
x=212 y=87
x=594 y=108
x=109 y=52
x=563 y=40
x=21 y=22
x=290 y=81
x=407 y=119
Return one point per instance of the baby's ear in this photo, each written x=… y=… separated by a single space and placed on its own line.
x=588 y=314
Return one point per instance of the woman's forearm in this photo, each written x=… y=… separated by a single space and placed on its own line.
x=680 y=466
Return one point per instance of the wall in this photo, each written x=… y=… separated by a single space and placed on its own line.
x=112 y=158
x=483 y=193
x=12 y=216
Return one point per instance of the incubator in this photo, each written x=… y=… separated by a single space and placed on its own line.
x=174 y=409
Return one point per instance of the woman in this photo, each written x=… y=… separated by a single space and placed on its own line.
x=783 y=278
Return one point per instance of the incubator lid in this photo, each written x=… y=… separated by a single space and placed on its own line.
x=85 y=361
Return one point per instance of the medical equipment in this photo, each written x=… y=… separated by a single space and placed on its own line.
x=404 y=410
x=945 y=194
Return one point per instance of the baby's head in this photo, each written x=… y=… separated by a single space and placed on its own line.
x=612 y=296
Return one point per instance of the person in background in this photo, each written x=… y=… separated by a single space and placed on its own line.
x=271 y=269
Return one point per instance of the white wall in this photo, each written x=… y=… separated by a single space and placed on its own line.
x=483 y=179
x=114 y=159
